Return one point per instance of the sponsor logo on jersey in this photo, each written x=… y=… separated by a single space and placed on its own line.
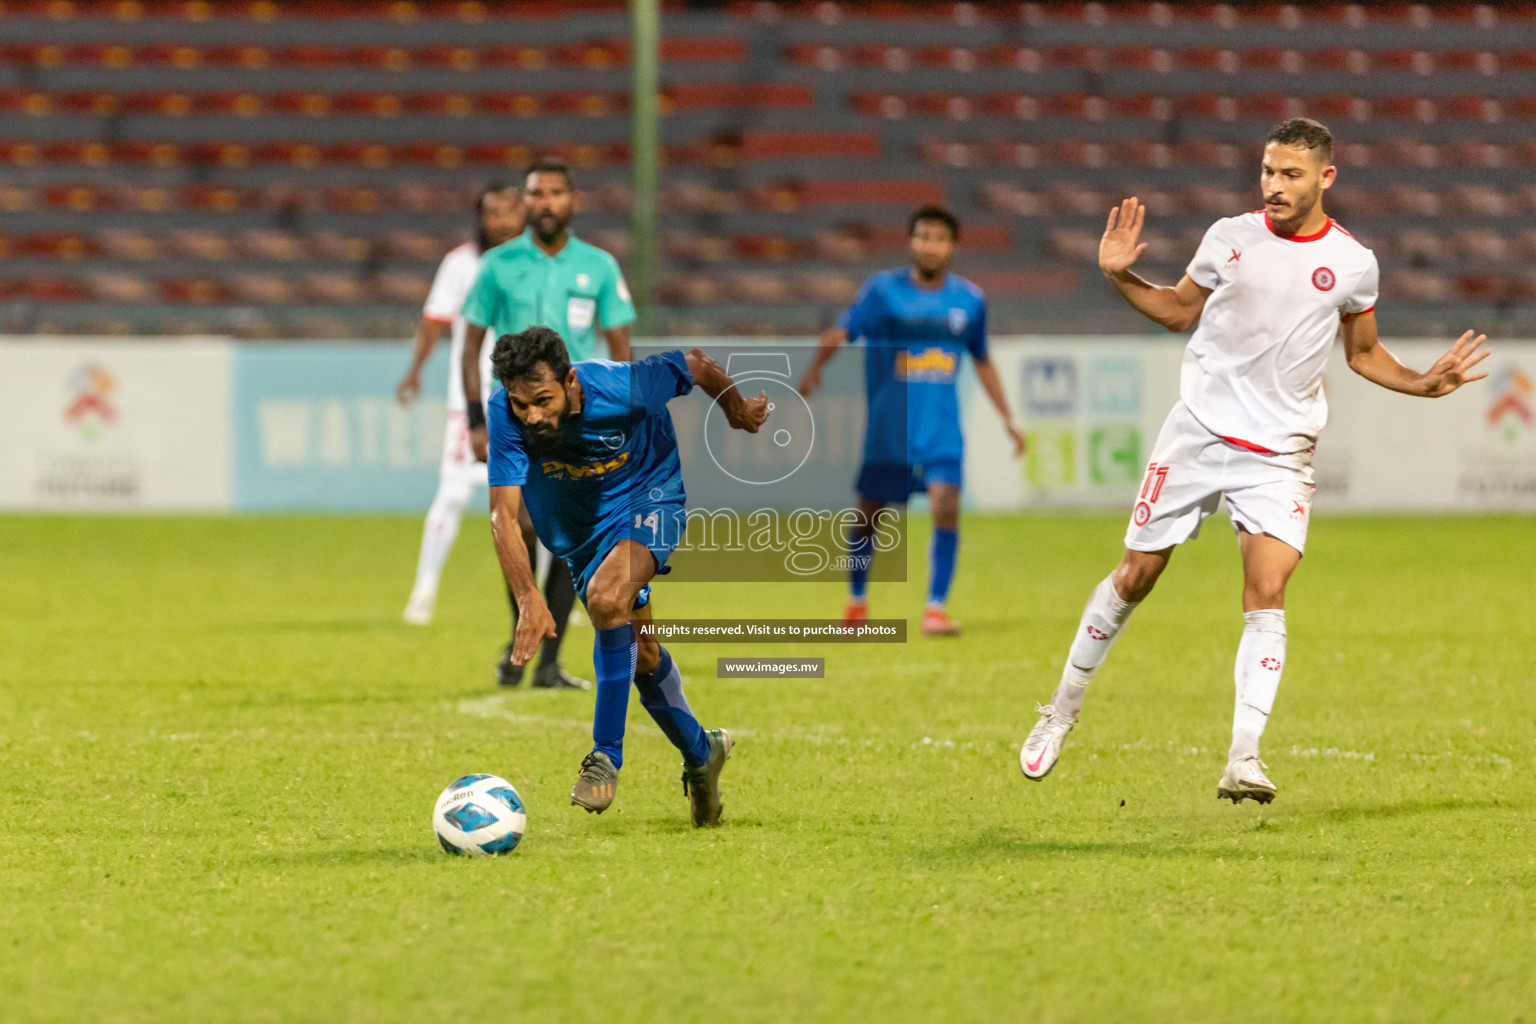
x=929 y=364
x=958 y=321
x=1323 y=279
x=591 y=469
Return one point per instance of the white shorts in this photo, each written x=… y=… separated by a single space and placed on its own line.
x=1192 y=469
x=459 y=462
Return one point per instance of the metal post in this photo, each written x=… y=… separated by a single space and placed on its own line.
x=645 y=60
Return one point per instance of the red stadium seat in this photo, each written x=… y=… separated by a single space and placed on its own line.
x=287 y=151
x=527 y=58
x=504 y=154
x=1409 y=108
x=216 y=198
x=1482 y=62
x=194 y=291
x=77 y=198
x=119 y=288
x=517 y=104
x=1337 y=58
x=445 y=55
x=147 y=151
x=1156 y=108
x=772 y=95
x=244 y=55
x=263 y=289
x=1272 y=59
x=1208 y=58
x=1338 y=106
x=387 y=58
x=59 y=245
x=309 y=55
x=79 y=151
x=1418 y=62
x=368 y=103
x=176 y=55
x=109 y=55
x=366 y=154
x=49 y=289
x=809 y=145
x=1469 y=108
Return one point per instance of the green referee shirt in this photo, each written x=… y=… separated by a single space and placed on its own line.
x=573 y=292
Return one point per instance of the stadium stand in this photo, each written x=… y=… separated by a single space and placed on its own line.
x=292 y=169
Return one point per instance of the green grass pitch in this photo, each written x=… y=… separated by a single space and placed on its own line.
x=219 y=750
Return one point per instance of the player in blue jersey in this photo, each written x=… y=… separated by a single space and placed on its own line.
x=917 y=323
x=591 y=449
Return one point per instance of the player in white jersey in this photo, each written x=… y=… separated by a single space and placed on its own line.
x=500 y=217
x=1266 y=294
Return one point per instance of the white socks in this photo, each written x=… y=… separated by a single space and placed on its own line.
x=438 y=536
x=1260 y=660
x=1103 y=617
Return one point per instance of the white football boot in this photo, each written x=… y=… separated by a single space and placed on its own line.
x=1245 y=779
x=1038 y=755
x=418 y=611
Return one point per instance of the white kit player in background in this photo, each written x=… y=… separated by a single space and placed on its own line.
x=1267 y=294
x=500 y=218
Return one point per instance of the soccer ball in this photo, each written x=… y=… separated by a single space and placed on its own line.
x=479 y=814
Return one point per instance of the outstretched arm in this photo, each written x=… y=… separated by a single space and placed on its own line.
x=826 y=348
x=534 y=622
x=986 y=372
x=1177 y=308
x=409 y=388
x=1371 y=360
x=742 y=413
x=469 y=371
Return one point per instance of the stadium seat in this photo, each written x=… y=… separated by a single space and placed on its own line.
x=194 y=291
x=119 y=288
x=78 y=198
x=263 y=289
x=202 y=246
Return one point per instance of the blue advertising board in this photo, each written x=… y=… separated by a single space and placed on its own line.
x=316 y=426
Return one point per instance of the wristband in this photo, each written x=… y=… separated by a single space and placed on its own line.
x=475 y=411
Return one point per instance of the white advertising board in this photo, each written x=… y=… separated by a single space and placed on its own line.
x=1092 y=408
x=115 y=424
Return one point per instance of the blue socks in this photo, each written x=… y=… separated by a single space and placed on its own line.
x=613 y=656
x=861 y=550
x=661 y=693
x=941 y=564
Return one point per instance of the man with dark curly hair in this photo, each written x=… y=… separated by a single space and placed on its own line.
x=591 y=449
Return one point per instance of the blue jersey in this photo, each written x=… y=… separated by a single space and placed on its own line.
x=615 y=458
x=915 y=338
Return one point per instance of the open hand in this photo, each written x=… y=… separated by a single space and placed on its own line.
x=1450 y=370
x=811 y=382
x=750 y=413
x=1017 y=437
x=408 y=389
x=1121 y=244
x=534 y=625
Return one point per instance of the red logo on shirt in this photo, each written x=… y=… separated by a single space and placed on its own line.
x=1323 y=279
x=1234 y=257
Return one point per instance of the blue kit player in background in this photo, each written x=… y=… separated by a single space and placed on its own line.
x=917 y=322
x=591 y=450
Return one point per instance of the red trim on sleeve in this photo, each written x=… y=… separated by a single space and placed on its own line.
x=438 y=320
x=1298 y=238
x=1246 y=444
x=1364 y=311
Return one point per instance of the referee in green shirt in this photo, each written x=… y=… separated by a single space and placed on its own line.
x=545 y=277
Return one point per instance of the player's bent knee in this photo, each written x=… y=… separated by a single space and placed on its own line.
x=608 y=608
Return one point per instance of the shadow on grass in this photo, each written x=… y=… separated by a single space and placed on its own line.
x=1411 y=808
x=389 y=622
x=352 y=857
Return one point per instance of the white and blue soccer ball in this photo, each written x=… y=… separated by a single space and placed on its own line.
x=479 y=814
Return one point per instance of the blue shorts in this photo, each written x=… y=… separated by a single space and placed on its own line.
x=659 y=527
x=894 y=482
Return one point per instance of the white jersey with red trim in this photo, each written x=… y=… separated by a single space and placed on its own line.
x=455 y=276
x=1253 y=371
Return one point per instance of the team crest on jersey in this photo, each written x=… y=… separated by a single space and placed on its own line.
x=1323 y=279
x=613 y=442
x=958 y=321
